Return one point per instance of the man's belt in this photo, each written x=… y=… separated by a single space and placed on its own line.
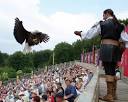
x=110 y=41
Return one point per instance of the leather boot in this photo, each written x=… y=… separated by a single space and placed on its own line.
x=114 y=89
x=109 y=97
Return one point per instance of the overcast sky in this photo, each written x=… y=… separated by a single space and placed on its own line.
x=57 y=18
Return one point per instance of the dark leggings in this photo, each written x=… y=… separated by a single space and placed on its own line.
x=109 y=67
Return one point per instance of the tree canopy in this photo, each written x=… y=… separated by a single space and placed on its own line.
x=63 y=52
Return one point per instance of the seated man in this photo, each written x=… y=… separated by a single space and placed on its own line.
x=70 y=91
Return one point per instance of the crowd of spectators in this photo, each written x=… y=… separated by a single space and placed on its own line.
x=53 y=85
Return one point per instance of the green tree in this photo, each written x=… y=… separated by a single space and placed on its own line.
x=4 y=75
x=63 y=52
x=5 y=56
x=47 y=54
x=50 y=62
x=11 y=72
x=85 y=45
x=19 y=61
x=41 y=58
x=28 y=63
x=78 y=46
x=124 y=21
x=16 y=60
x=19 y=73
x=1 y=59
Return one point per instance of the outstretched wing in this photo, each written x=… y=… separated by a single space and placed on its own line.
x=42 y=37
x=20 y=33
x=37 y=37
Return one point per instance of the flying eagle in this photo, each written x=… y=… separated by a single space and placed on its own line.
x=30 y=38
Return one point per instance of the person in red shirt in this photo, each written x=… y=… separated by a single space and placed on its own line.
x=36 y=99
x=50 y=96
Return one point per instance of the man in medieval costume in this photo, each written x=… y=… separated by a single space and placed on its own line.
x=110 y=31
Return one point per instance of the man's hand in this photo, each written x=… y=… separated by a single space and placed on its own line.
x=78 y=33
x=65 y=97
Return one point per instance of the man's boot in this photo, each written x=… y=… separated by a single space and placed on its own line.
x=114 y=89
x=109 y=97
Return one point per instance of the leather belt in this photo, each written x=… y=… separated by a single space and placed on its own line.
x=110 y=41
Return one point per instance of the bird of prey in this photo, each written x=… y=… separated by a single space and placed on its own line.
x=30 y=38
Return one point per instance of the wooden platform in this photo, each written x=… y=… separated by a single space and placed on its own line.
x=122 y=90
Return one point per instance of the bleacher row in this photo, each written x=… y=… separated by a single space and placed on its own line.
x=45 y=84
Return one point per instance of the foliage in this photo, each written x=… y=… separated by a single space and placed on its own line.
x=27 y=69
x=10 y=71
x=5 y=56
x=19 y=61
x=19 y=73
x=41 y=58
x=63 y=52
x=1 y=59
x=50 y=62
x=4 y=76
x=124 y=21
x=78 y=47
x=85 y=45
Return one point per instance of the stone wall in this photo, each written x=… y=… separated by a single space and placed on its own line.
x=90 y=93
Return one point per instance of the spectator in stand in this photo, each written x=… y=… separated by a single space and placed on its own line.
x=34 y=93
x=70 y=91
x=20 y=98
x=9 y=97
x=59 y=91
x=50 y=96
x=44 y=84
x=36 y=99
x=79 y=84
x=44 y=98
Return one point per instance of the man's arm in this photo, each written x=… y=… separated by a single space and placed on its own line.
x=73 y=91
x=94 y=31
x=68 y=96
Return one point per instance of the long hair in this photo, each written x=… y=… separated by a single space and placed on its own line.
x=109 y=11
x=116 y=22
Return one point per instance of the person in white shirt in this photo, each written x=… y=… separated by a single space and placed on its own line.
x=43 y=88
x=9 y=97
x=20 y=96
x=110 y=31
